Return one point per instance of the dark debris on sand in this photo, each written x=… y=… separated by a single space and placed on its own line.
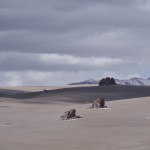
x=98 y=103
x=70 y=114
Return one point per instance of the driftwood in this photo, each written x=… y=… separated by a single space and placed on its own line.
x=71 y=114
x=98 y=103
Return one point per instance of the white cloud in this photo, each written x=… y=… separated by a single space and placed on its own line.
x=57 y=62
x=85 y=62
x=10 y=79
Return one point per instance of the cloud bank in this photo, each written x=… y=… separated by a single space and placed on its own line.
x=45 y=42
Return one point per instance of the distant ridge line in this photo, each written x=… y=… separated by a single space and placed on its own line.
x=132 y=81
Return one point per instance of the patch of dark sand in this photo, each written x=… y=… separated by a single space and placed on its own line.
x=81 y=94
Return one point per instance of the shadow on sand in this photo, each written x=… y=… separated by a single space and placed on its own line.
x=77 y=94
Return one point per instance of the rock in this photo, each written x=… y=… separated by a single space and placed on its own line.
x=98 y=103
x=45 y=91
x=107 y=81
x=71 y=114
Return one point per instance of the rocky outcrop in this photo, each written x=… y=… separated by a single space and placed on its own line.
x=98 y=103
x=71 y=114
x=107 y=81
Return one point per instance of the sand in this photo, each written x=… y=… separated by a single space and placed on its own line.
x=40 y=88
x=36 y=126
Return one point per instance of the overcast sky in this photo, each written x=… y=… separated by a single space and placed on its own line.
x=56 y=42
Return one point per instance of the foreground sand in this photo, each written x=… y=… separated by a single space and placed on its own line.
x=126 y=126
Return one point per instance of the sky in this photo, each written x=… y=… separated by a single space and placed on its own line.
x=57 y=42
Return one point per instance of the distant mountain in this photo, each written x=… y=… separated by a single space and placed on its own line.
x=134 y=81
x=90 y=81
x=131 y=81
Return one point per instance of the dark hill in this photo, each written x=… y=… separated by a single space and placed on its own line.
x=81 y=94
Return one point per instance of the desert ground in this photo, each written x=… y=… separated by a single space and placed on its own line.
x=30 y=120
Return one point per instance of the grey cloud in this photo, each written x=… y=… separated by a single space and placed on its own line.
x=50 y=78
x=76 y=29
x=89 y=17
x=45 y=28
x=39 y=78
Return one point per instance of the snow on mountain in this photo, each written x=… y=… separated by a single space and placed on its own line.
x=138 y=81
x=133 y=81
x=121 y=82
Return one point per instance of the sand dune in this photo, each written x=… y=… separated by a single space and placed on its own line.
x=124 y=126
x=40 y=88
x=76 y=94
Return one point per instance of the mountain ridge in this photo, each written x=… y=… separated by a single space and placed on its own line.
x=132 y=81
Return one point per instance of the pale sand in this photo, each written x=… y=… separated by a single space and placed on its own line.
x=40 y=88
x=126 y=126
